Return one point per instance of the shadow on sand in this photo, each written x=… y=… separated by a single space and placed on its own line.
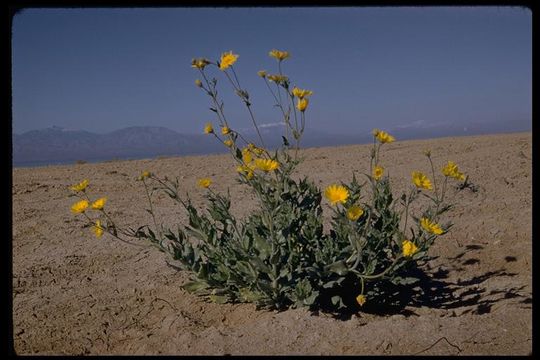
x=434 y=290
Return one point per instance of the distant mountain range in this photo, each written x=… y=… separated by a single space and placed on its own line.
x=57 y=145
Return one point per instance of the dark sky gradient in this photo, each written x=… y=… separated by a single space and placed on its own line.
x=105 y=69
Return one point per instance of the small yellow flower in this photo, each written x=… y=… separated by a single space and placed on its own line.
x=199 y=63
x=99 y=203
x=258 y=151
x=431 y=227
x=302 y=104
x=227 y=59
x=80 y=186
x=97 y=229
x=198 y=83
x=301 y=93
x=266 y=164
x=451 y=170
x=247 y=157
x=204 y=183
x=208 y=128
x=378 y=172
x=421 y=180
x=262 y=73
x=361 y=299
x=277 y=78
x=80 y=206
x=225 y=130
x=354 y=213
x=247 y=170
x=144 y=175
x=336 y=193
x=383 y=136
x=409 y=248
x=279 y=55
x=228 y=143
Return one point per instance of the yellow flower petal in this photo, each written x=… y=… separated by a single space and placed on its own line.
x=279 y=55
x=378 y=172
x=227 y=59
x=302 y=104
x=99 y=203
x=204 y=182
x=80 y=186
x=383 y=136
x=421 y=181
x=409 y=248
x=80 y=206
x=208 y=129
x=97 y=229
x=266 y=164
x=336 y=194
x=354 y=213
x=431 y=227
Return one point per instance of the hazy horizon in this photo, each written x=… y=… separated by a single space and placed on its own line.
x=101 y=70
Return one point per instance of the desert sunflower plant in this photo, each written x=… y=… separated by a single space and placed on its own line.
x=279 y=256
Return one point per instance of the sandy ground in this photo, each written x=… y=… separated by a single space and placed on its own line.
x=76 y=294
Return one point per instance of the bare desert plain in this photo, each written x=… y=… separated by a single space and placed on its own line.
x=76 y=294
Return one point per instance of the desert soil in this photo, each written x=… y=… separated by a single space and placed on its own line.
x=76 y=294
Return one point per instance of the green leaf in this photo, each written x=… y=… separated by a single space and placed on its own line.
x=194 y=286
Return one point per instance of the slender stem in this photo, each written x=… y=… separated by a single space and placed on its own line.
x=151 y=209
x=384 y=272
x=407 y=210
x=213 y=95
x=434 y=180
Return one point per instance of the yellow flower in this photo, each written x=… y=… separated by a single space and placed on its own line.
x=302 y=104
x=336 y=193
x=99 y=203
x=421 y=181
x=247 y=157
x=431 y=227
x=97 y=229
x=80 y=186
x=225 y=130
x=361 y=299
x=383 y=136
x=199 y=63
x=227 y=59
x=262 y=73
x=378 y=172
x=144 y=175
x=409 y=248
x=277 y=78
x=280 y=55
x=204 y=183
x=228 y=143
x=451 y=170
x=258 y=151
x=354 y=213
x=208 y=129
x=198 y=83
x=300 y=93
x=245 y=169
x=80 y=206
x=266 y=164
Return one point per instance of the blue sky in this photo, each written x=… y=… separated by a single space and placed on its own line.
x=105 y=69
